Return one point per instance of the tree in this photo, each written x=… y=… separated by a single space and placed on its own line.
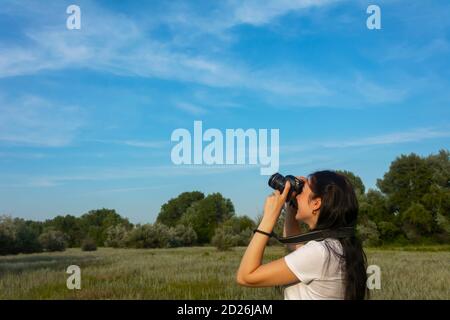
x=419 y=217
x=443 y=234
x=18 y=236
x=440 y=166
x=96 y=222
x=53 y=241
x=437 y=200
x=205 y=215
x=172 y=210
x=388 y=231
x=355 y=180
x=408 y=179
x=7 y=235
x=69 y=225
x=374 y=205
x=26 y=238
x=240 y=223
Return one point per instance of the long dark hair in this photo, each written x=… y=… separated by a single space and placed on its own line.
x=339 y=208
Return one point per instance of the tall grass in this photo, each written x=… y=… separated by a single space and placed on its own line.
x=197 y=273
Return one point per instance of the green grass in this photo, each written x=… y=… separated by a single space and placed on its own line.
x=199 y=273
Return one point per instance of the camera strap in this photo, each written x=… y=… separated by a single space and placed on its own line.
x=317 y=235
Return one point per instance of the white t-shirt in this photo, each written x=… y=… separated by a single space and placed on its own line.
x=317 y=282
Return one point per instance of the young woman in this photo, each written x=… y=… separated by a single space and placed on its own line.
x=328 y=269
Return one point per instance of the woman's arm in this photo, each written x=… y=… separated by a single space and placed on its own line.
x=251 y=272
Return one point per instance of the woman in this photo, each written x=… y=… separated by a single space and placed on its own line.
x=328 y=269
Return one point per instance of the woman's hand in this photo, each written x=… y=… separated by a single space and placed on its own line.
x=274 y=203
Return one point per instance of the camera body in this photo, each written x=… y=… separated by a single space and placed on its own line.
x=277 y=181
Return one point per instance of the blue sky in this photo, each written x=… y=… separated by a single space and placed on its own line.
x=86 y=115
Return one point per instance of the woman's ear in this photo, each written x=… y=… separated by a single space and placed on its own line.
x=316 y=203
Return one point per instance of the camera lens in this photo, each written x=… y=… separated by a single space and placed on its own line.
x=278 y=182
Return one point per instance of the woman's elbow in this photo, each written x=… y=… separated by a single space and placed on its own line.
x=242 y=281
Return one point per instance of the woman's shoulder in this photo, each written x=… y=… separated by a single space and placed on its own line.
x=323 y=245
x=313 y=246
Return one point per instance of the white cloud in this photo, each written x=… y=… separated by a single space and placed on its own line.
x=117 y=173
x=34 y=121
x=128 y=48
x=258 y=13
x=392 y=138
x=150 y=144
x=191 y=108
x=414 y=135
x=417 y=53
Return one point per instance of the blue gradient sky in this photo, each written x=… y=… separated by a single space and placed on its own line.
x=86 y=115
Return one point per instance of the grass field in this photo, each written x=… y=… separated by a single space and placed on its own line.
x=200 y=273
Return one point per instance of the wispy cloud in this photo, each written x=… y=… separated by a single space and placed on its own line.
x=258 y=13
x=129 y=49
x=417 y=52
x=34 y=121
x=413 y=135
x=191 y=108
x=22 y=155
x=392 y=138
x=134 y=143
x=231 y=13
x=117 y=174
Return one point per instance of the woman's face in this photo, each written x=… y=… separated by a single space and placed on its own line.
x=307 y=208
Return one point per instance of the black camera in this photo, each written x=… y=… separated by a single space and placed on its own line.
x=278 y=181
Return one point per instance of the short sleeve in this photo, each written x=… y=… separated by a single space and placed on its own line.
x=307 y=262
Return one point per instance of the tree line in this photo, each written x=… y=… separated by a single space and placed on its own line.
x=412 y=205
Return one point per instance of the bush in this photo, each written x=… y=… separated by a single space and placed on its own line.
x=244 y=237
x=368 y=233
x=181 y=236
x=7 y=235
x=116 y=236
x=149 y=236
x=388 y=230
x=224 y=238
x=53 y=241
x=88 y=245
x=26 y=239
x=18 y=236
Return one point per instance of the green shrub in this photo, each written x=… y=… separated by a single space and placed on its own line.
x=116 y=236
x=181 y=236
x=149 y=236
x=7 y=235
x=53 y=241
x=368 y=233
x=388 y=230
x=224 y=238
x=88 y=244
